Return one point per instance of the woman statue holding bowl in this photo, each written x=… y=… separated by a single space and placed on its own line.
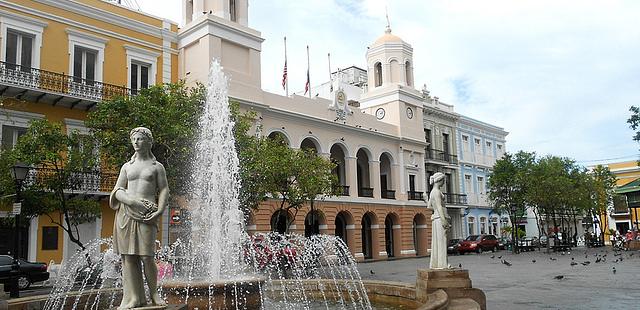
x=139 y=198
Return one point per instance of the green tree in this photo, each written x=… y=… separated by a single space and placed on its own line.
x=604 y=183
x=170 y=111
x=508 y=185
x=60 y=161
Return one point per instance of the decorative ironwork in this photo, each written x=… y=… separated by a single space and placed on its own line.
x=89 y=181
x=388 y=194
x=37 y=79
x=365 y=192
x=458 y=199
x=343 y=190
x=413 y=195
x=441 y=156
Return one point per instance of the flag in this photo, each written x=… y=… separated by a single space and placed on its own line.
x=284 y=75
x=306 y=85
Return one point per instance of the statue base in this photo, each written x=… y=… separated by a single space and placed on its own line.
x=155 y=307
x=455 y=282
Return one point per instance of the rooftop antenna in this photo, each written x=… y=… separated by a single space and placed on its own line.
x=386 y=13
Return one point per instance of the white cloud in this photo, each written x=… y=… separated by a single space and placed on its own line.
x=558 y=75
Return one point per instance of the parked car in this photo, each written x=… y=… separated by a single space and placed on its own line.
x=28 y=272
x=503 y=243
x=478 y=243
x=452 y=246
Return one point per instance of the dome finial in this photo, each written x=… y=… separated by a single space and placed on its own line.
x=386 y=12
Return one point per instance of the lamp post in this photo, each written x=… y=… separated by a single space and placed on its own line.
x=19 y=173
x=514 y=234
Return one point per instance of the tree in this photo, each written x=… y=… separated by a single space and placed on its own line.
x=171 y=111
x=604 y=183
x=60 y=161
x=508 y=185
x=634 y=121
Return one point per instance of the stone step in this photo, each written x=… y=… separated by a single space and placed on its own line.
x=463 y=304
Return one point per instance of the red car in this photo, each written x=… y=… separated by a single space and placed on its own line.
x=478 y=243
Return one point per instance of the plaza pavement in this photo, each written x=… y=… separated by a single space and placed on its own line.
x=528 y=285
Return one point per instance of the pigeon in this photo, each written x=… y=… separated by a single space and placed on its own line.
x=493 y=256
x=614 y=270
x=500 y=257
x=598 y=260
x=572 y=259
x=558 y=277
x=371 y=271
x=586 y=263
x=459 y=265
x=573 y=263
x=533 y=261
x=504 y=261
x=551 y=258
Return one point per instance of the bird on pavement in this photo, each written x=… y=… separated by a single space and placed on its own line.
x=493 y=256
x=598 y=260
x=614 y=270
x=533 y=261
x=504 y=261
x=371 y=271
x=500 y=257
x=573 y=263
x=558 y=277
x=551 y=258
x=459 y=265
x=586 y=263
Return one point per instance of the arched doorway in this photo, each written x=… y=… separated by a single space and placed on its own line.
x=388 y=235
x=279 y=137
x=309 y=144
x=364 y=183
x=386 y=185
x=367 y=235
x=341 y=227
x=279 y=221
x=337 y=155
x=420 y=234
x=312 y=223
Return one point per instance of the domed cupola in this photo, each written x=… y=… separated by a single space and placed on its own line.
x=389 y=61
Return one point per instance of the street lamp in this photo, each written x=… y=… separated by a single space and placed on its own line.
x=514 y=233
x=19 y=173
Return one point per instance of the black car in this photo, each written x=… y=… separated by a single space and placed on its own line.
x=29 y=272
x=452 y=246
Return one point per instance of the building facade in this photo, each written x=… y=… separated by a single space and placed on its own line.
x=479 y=146
x=58 y=60
x=624 y=213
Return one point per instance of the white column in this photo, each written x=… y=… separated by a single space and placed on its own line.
x=402 y=176
x=351 y=170
x=374 y=176
x=32 y=250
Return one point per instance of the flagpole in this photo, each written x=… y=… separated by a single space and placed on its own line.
x=329 y=57
x=308 y=69
x=285 y=64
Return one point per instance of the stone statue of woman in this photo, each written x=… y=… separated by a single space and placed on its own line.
x=139 y=198
x=439 y=223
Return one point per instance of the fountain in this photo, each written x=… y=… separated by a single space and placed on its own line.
x=218 y=265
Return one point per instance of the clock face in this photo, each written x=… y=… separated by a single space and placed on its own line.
x=380 y=113
x=409 y=113
x=341 y=97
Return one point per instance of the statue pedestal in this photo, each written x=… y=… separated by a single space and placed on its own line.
x=167 y=307
x=455 y=282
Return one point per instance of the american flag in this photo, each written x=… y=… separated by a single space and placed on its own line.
x=284 y=75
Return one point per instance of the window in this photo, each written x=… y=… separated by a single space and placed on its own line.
x=427 y=138
x=19 y=50
x=489 y=144
x=232 y=10
x=499 y=146
x=481 y=188
x=483 y=225
x=377 y=74
x=407 y=68
x=412 y=183
x=467 y=183
x=477 y=147
x=445 y=145
x=49 y=238
x=10 y=135
x=139 y=76
x=471 y=225
x=84 y=65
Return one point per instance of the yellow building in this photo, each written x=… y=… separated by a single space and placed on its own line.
x=58 y=59
x=622 y=217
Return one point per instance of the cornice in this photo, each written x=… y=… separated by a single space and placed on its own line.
x=26 y=19
x=217 y=26
x=107 y=16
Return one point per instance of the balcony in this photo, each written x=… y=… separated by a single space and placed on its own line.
x=388 y=194
x=365 y=192
x=456 y=199
x=57 y=89
x=342 y=190
x=94 y=182
x=413 y=195
x=441 y=156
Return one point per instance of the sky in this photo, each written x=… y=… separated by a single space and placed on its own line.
x=559 y=76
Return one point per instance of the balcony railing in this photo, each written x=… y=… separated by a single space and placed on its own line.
x=342 y=190
x=441 y=156
x=91 y=181
x=413 y=195
x=458 y=199
x=365 y=192
x=60 y=83
x=388 y=194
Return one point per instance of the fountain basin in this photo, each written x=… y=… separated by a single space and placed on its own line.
x=241 y=293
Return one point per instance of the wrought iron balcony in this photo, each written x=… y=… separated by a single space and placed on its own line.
x=413 y=195
x=458 y=199
x=365 y=192
x=342 y=190
x=438 y=155
x=388 y=194
x=55 y=88
x=92 y=182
